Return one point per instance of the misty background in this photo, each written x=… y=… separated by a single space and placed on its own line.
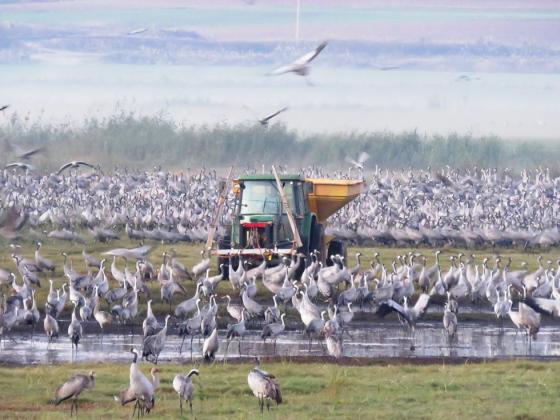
x=140 y=82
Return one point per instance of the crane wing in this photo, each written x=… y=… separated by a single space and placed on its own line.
x=284 y=69
x=364 y=156
x=544 y=306
x=310 y=56
x=271 y=116
x=391 y=306
x=63 y=167
x=422 y=304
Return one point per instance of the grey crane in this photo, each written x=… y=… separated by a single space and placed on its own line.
x=527 y=318
x=209 y=317
x=409 y=315
x=51 y=326
x=209 y=283
x=72 y=388
x=334 y=345
x=266 y=120
x=211 y=346
x=202 y=266
x=264 y=386
x=150 y=324
x=103 y=318
x=187 y=306
x=170 y=288
x=301 y=65
x=236 y=330
x=253 y=308
x=449 y=323
x=183 y=386
x=273 y=330
x=191 y=327
x=75 y=165
x=90 y=260
x=32 y=316
x=42 y=262
x=154 y=344
x=272 y=313
x=234 y=310
x=140 y=389
x=75 y=330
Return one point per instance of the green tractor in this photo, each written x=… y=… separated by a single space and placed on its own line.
x=279 y=216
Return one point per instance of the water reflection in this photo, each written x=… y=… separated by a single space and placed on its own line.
x=474 y=340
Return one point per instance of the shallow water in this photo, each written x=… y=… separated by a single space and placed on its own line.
x=475 y=340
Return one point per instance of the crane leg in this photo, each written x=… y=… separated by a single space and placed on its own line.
x=181 y=348
x=190 y=405
x=192 y=337
x=181 y=404
x=225 y=352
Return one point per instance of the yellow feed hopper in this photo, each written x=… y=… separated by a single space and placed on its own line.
x=329 y=195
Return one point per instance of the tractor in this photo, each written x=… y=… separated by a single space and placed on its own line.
x=278 y=216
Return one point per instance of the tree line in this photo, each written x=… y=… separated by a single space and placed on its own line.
x=142 y=142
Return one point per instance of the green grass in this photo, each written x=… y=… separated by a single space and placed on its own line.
x=518 y=389
x=189 y=255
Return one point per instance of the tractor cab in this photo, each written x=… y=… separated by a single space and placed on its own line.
x=260 y=221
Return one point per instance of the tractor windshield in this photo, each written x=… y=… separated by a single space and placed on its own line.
x=262 y=197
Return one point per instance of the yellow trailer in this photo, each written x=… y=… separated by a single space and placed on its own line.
x=330 y=195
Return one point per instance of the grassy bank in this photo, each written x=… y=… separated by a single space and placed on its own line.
x=496 y=390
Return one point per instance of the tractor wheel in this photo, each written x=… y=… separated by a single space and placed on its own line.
x=336 y=247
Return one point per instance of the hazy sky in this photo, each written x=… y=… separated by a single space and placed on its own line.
x=484 y=67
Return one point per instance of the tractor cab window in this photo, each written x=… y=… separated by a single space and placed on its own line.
x=263 y=197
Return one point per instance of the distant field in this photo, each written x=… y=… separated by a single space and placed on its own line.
x=517 y=389
x=189 y=254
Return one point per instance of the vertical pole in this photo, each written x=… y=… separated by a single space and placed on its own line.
x=297 y=21
x=218 y=211
x=295 y=232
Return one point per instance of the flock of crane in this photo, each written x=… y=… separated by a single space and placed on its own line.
x=435 y=208
x=324 y=297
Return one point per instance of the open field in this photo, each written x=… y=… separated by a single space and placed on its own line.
x=517 y=389
x=189 y=255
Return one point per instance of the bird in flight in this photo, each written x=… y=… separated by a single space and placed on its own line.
x=264 y=121
x=19 y=165
x=23 y=153
x=137 y=31
x=75 y=165
x=301 y=65
x=4 y=107
x=358 y=164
